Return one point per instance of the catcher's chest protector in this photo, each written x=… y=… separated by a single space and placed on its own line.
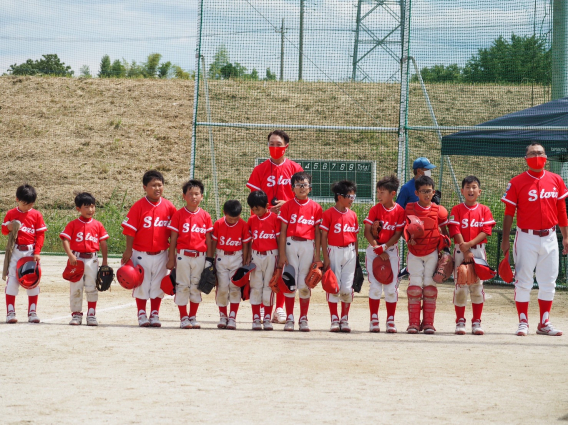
x=429 y=242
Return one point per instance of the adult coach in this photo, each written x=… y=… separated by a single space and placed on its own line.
x=273 y=177
x=421 y=167
x=539 y=197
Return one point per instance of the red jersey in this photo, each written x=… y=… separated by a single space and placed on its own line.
x=301 y=218
x=536 y=199
x=84 y=235
x=231 y=237
x=192 y=228
x=31 y=230
x=148 y=224
x=341 y=227
x=264 y=231
x=470 y=221
x=393 y=220
x=274 y=179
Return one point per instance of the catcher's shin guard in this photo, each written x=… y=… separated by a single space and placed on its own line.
x=414 y=293
x=430 y=296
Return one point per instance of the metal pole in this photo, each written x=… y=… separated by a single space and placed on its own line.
x=282 y=51
x=560 y=49
x=403 y=105
x=356 y=46
x=196 y=89
x=301 y=43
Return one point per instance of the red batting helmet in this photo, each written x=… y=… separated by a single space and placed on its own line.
x=168 y=284
x=414 y=227
x=130 y=276
x=482 y=269
x=245 y=292
x=242 y=276
x=329 y=282
x=382 y=270
x=505 y=269
x=287 y=282
x=74 y=273
x=28 y=272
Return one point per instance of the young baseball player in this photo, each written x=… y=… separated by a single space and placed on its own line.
x=264 y=228
x=423 y=256
x=470 y=224
x=393 y=219
x=339 y=229
x=231 y=239
x=147 y=242
x=191 y=250
x=81 y=240
x=29 y=242
x=299 y=244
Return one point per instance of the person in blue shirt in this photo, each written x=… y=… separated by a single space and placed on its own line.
x=421 y=167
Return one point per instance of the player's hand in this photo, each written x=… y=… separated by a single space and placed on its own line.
x=36 y=257
x=276 y=208
x=379 y=249
x=171 y=263
x=326 y=263
x=282 y=262
x=73 y=260
x=468 y=257
x=565 y=246
x=465 y=246
x=384 y=256
x=10 y=226
x=105 y=262
x=506 y=245
x=247 y=260
x=126 y=256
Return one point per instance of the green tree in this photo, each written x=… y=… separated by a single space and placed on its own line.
x=221 y=60
x=117 y=69
x=165 y=69
x=180 y=73
x=104 y=70
x=150 y=67
x=47 y=65
x=439 y=74
x=269 y=75
x=85 y=71
x=134 y=70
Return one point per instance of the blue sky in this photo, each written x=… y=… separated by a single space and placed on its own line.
x=81 y=32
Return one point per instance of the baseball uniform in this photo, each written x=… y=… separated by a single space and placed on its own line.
x=84 y=237
x=274 y=179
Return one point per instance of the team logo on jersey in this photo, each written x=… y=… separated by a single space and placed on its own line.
x=229 y=242
x=346 y=228
x=301 y=220
x=194 y=228
x=281 y=181
x=79 y=237
x=263 y=235
x=474 y=223
x=26 y=229
x=534 y=195
x=157 y=222
x=507 y=189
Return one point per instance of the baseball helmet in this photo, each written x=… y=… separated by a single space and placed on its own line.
x=242 y=276
x=245 y=292
x=482 y=269
x=287 y=283
x=130 y=276
x=505 y=269
x=168 y=284
x=382 y=270
x=74 y=273
x=329 y=282
x=28 y=272
x=414 y=227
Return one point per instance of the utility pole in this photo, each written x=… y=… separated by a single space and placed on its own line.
x=282 y=32
x=301 y=40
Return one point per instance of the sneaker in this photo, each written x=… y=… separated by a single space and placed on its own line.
x=194 y=323
x=334 y=327
x=143 y=321
x=32 y=317
x=155 y=321
x=428 y=329
x=345 y=326
x=523 y=329
x=413 y=329
x=460 y=327
x=92 y=321
x=185 y=323
x=222 y=322
x=548 y=329
x=304 y=327
x=374 y=326
x=476 y=328
x=267 y=325
x=391 y=328
x=256 y=325
x=231 y=324
x=403 y=272
x=279 y=316
x=77 y=319
x=289 y=326
x=11 y=317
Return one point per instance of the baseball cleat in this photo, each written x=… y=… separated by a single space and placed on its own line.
x=334 y=327
x=428 y=329
x=391 y=328
x=304 y=327
x=548 y=329
x=344 y=325
x=11 y=318
x=289 y=326
x=523 y=329
x=279 y=316
x=267 y=325
x=76 y=319
x=92 y=321
x=460 y=327
x=185 y=323
x=413 y=328
x=32 y=317
x=374 y=326
x=143 y=321
x=222 y=322
x=231 y=324
x=476 y=328
x=256 y=325
x=194 y=323
x=155 y=321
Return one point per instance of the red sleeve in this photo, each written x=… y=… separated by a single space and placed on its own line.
x=454 y=222
x=318 y=215
x=209 y=224
x=510 y=197
x=131 y=222
x=103 y=233
x=40 y=237
x=245 y=233
x=325 y=221
x=215 y=234
x=277 y=226
x=510 y=209
x=442 y=216
x=67 y=232
x=371 y=216
x=174 y=222
x=562 y=218
x=284 y=215
x=254 y=182
x=489 y=222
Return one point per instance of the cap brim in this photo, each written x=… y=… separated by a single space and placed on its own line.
x=430 y=166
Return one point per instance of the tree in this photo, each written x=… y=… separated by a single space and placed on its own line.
x=47 y=65
x=150 y=67
x=221 y=60
x=133 y=70
x=104 y=70
x=85 y=71
x=181 y=74
x=165 y=69
x=117 y=69
x=439 y=74
x=269 y=75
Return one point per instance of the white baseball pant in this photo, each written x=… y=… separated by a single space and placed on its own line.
x=530 y=252
x=12 y=284
x=422 y=269
x=300 y=255
x=475 y=291
x=87 y=284
x=188 y=273
x=260 y=292
x=342 y=262
x=226 y=266
x=375 y=287
x=154 y=271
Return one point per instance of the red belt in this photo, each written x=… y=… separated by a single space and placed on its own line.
x=86 y=254
x=262 y=252
x=299 y=239
x=153 y=253
x=229 y=252
x=343 y=247
x=23 y=247
x=540 y=233
x=193 y=254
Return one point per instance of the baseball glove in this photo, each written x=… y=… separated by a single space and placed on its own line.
x=358 y=277
x=208 y=279
x=466 y=274
x=274 y=280
x=105 y=276
x=314 y=275
x=376 y=228
x=445 y=267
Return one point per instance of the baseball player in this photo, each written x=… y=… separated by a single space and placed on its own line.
x=264 y=228
x=393 y=219
x=299 y=244
x=29 y=242
x=421 y=167
x=231 y=239
x=273 y=177
x=339 y=229
x=191 y=250
x=539 y=197
x=423 y=256
x=147 y=241
x=470 y=224
x=81 y=240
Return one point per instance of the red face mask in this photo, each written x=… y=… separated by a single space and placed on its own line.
x=277 y=152
x=536 y=162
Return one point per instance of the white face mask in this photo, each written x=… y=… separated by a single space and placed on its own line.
x=428 y=173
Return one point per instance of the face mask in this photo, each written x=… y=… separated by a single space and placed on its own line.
x=536 y=162
x=277 y=152
x=428 y=173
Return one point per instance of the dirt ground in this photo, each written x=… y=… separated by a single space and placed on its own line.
x=120 y=373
